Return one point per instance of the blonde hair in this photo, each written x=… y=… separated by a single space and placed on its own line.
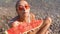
x=17 y=3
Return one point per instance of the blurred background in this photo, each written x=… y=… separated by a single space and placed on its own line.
x=41 y=8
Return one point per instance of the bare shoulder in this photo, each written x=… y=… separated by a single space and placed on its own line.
x=16 y=23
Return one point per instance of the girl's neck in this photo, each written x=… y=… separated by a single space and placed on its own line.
x=25 y=18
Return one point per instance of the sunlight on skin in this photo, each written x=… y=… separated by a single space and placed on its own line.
x=23 y=10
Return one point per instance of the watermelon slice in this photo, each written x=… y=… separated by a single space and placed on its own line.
x=25 y=27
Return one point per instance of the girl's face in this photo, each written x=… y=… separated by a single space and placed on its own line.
x=23 y=8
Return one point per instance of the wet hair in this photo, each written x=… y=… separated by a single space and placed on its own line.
x=17 y=3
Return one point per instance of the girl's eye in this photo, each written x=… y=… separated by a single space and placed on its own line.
x=26 y=6
x=20 y=8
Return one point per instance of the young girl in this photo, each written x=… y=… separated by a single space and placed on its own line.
x=24 y=15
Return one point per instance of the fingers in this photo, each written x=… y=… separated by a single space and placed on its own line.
x=48 y=20
x=36 y=29
x=5 y=32
x=47 y=32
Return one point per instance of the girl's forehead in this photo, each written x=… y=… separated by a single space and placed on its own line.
x=23 y=3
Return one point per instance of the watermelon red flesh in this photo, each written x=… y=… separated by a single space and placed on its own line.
x=24 y=27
